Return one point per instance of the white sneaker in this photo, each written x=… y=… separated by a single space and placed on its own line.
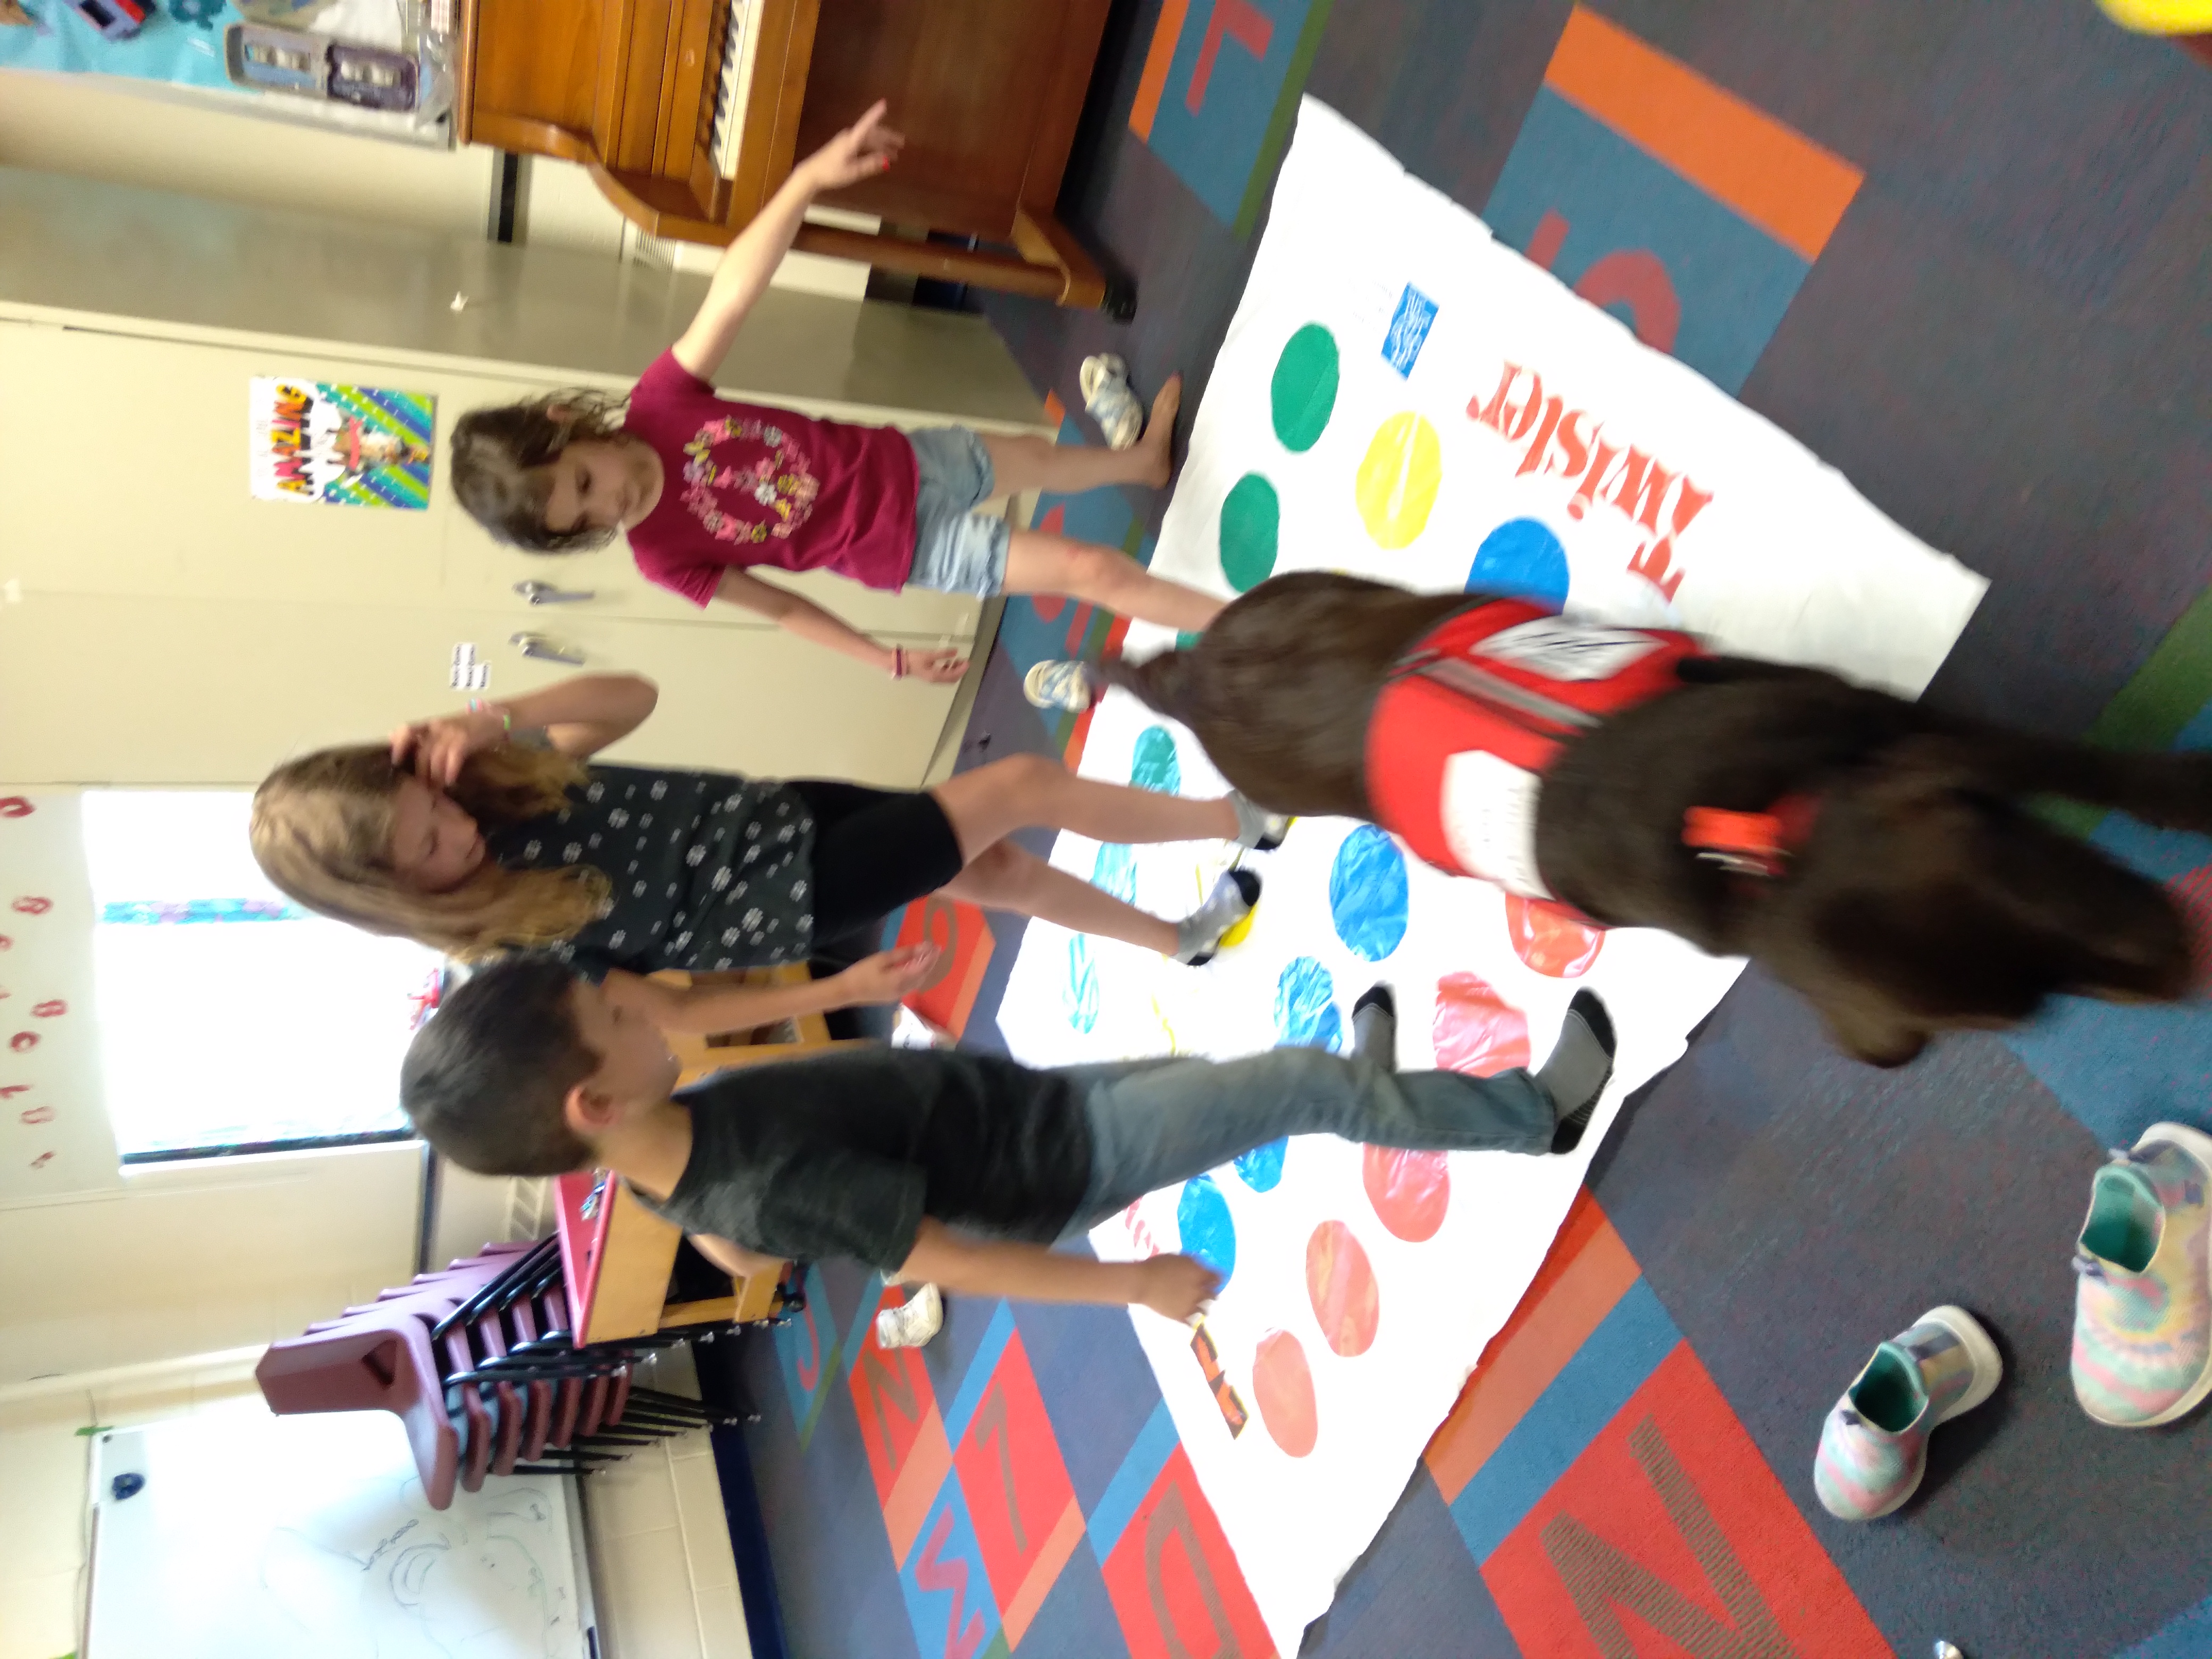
x=913 y=1322
x=1058 y=685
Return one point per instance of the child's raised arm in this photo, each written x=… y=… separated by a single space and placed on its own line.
x=579 y=716
x=861 y=151
x=1175 y=1286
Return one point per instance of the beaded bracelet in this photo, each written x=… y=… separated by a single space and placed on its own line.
x=477 y=705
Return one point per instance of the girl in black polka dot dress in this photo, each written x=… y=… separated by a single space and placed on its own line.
x=457 y=835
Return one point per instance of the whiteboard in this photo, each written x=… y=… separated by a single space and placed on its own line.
x=264 y=1537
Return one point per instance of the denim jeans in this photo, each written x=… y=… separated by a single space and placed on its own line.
x=1155 y=1122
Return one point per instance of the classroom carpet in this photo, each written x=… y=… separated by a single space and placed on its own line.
x=2001 y=339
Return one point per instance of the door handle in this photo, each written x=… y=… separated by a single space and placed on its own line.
x=546 y=593
x=537 y=645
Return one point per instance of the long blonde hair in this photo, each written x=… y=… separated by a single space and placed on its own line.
x=322 y=834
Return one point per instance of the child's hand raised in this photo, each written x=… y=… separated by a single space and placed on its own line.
x=439 y=748
x=861 y=151
x=1177 y=1286
x=889 y=975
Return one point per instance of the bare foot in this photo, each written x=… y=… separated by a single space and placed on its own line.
x=1157 y=445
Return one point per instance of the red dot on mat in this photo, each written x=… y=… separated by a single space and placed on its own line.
x=1347 y=1302
x=1410 y=1191
x=1475 y=1028
x=1548 y=940
x=1282 y=1382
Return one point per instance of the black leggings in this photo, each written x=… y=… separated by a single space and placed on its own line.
x=874 y=851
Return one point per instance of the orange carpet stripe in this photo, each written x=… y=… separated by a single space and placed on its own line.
x=1585 y=1222
x=917 y=1486
x=1775 y=177
x=1043 y=1573
x=1055 y=413
x=1152 y=84
x=1549 y=1326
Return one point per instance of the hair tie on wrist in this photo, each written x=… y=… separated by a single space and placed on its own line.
x=477 y=705
x=898 y=662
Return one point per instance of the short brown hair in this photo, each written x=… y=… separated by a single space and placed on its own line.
x=487 y=1081
x=499 y=458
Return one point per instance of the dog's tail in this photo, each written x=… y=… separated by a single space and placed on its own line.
x=1162 y=683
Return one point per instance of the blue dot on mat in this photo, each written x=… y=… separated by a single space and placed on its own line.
x=1367 y=893
x=1155 y=765
x=1305 y=1006
x=1081 y=995
x=1261 y=1168
x=1204 y=1226
x=1115 y=871
x=1523 y=558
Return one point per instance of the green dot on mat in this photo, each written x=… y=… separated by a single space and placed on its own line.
x=1303 y=391
x=1250 y=515
x=1185 y=639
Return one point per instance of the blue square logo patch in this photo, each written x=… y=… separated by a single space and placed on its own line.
x=1409 y=329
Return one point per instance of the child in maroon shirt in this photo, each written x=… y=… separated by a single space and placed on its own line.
x=709 y=489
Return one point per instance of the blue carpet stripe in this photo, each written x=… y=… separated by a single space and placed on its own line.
x=872 y=1299
x=1156 y=1444
x=981 y=1369
x=1624 y=1350
x=2189 y=1637
x=2117 y=1068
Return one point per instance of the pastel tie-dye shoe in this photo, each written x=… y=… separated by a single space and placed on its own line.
x=1108 y=400
x=1875 y=1446
x=2142 y=1312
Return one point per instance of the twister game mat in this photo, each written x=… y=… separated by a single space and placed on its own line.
x=1401 y=397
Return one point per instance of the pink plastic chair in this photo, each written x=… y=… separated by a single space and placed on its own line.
x=371 y=1362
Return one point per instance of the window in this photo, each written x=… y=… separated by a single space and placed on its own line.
x=231 y=1020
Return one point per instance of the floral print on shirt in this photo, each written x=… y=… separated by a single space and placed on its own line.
x=781 y=481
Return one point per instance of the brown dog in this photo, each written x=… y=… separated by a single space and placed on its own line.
x=1926 y=896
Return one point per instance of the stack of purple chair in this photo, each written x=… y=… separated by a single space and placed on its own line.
x=480 y=1363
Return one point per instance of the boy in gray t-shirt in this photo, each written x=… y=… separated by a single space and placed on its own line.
x=944 y=1165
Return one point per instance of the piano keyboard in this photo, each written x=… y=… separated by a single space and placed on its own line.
x=733 y=91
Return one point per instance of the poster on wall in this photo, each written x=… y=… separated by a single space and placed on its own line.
x=54 y=1136
x=379 y=67
x=346 y=445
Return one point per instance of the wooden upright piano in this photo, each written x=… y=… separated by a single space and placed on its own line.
x=689 y=113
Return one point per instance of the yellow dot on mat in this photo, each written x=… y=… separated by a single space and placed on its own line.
x=1236 y=935
x=1396 y=484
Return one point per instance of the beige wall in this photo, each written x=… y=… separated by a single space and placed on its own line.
x=70 y=248
x=83 y=127
x=190 y=1257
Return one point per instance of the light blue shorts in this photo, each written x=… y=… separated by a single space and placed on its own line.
x=957 y=550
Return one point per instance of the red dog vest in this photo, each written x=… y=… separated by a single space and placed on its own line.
x=1476 y=711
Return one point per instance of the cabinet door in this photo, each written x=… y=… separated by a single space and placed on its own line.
x=124 y=470
x=133 y=688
